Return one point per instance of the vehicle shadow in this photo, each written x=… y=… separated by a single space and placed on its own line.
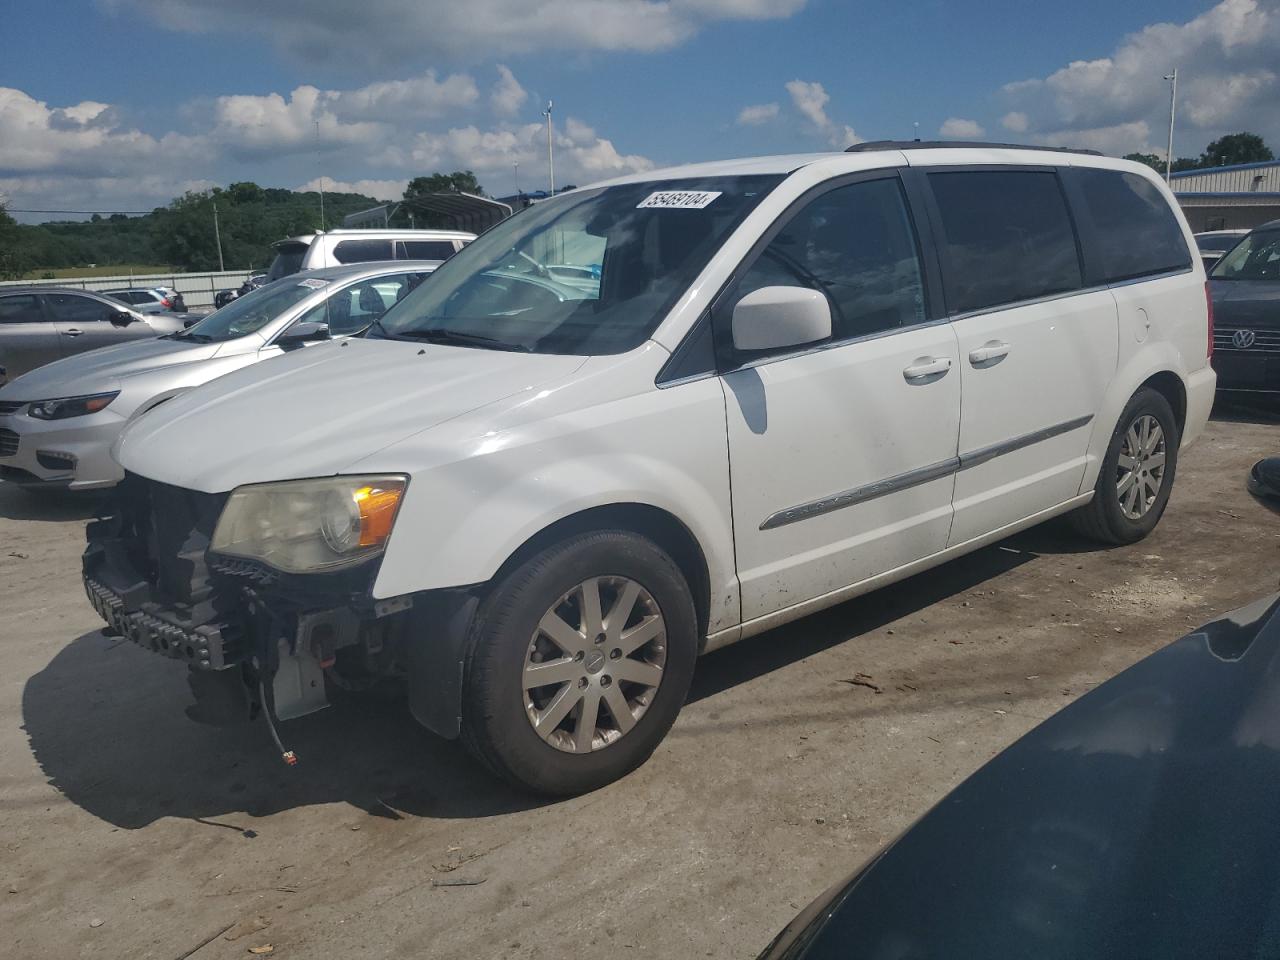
x=759 y=655
x=1244 y=408
x=47 y=505
x=105 y=722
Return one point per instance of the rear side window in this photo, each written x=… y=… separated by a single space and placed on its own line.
x=288 y=260
x=1137 y=233
x=424 y=249
x=363 y=251
x=20 y=309
x=1007 y=236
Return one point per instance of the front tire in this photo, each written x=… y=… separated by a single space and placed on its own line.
x=581 y=658
x=1137 y=473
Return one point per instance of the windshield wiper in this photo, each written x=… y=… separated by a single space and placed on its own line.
x=444 y=335
x=377 y=322
x=193 y=337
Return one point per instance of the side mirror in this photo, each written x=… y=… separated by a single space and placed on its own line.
x=305 y=332
x=123 y=318
x=775 y=317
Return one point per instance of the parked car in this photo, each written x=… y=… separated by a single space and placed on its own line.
x=334 y=247
x=252 y=282
x=150 y=299
x=1214 y=243
x=57 y=423
x=41 y=324
x=1137 y=822
x=537 y=502
x=1245 y=286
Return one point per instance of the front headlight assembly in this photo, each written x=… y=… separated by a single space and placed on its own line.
x=310 y=526
x=71 y=406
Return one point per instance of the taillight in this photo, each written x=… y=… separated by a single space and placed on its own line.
x=1208 y=299
x=165 y=302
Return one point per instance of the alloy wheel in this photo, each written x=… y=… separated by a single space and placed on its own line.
x=1140 y=468
x=594 y=664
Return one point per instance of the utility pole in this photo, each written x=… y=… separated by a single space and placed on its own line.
x=551 y=159
x=320 y=183
x=1173 y=107
x=516 y=165
x=217 y=235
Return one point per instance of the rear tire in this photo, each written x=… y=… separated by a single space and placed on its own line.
x=607 y=620
x=1137 y=473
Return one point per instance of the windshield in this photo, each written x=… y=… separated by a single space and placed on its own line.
x=1216 y=241
x=1256 y=257
x=253 y=311
x=591 y=272
x=288 y=260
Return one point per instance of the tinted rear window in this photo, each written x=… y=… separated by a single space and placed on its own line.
x=288 y=261
x=1007 y=237
x=1138 y=235
x=424 y=249
x=20 y=309
x=362 y=251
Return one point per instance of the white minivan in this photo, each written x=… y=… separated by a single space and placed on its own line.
x=648 y=418
x=331 y=248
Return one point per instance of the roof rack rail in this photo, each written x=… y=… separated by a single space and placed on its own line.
x=947 y=144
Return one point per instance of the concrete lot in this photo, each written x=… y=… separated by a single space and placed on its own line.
x=128 y=831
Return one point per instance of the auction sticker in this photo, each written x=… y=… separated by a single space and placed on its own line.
x=313 y=284
x=678 y=199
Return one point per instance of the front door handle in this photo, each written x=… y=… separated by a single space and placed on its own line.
x=989 y=354
x=73 y=332
x=927 y=368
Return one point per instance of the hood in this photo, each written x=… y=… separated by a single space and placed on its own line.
x=314 y=412
x=1246 y=303
x=99 y=370
x=1140 y=821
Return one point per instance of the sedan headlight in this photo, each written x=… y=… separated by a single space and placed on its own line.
x=310 y=526
x=71 y=406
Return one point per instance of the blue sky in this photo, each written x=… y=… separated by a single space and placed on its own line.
x=120 y=104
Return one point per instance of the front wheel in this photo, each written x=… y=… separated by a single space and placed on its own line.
x=581 y=658
x=1137 y=473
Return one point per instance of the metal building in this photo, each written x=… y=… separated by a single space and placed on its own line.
x=1224 y=198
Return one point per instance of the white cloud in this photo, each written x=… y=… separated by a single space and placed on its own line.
x=508 y=96
x=757 y=114
x=1015 y=121
x=382 y=31
x=811 y=99
x=958 y=128
x=1228 y=60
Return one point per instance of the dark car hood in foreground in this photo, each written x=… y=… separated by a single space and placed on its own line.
x=1141 y=821
x=1246 y=303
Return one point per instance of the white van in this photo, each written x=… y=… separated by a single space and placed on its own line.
x=791 y=380
x=331 y=248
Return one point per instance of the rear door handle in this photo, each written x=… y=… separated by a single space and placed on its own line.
x=989 y=353
x=926 y=367
x=73 y=332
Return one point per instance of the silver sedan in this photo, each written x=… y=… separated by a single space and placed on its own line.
x=41 y=324
x=57 y=423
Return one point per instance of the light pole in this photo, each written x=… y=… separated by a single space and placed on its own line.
x=1173 y=107
x=516 y=167
x=551 y=159
x=217 y=236
x=320 y=182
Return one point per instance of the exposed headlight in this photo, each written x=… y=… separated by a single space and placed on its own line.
x=71 y=406
x=310 y=526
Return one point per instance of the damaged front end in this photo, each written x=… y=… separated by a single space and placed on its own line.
x=259 y=641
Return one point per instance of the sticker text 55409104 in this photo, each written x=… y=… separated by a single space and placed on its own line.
x=678 y=199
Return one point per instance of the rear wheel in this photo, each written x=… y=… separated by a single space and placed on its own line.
x=1137 y=473
x=582 y=657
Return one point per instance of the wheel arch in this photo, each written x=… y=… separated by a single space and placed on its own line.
x=1169 y=385
x=654 y=523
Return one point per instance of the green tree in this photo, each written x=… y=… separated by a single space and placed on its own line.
x=461 y=181
x=1150 y=159
x=1235 y=148
x=14 y=257
x=1185 y=163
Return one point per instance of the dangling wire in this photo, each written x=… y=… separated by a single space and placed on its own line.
x=268 y=710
